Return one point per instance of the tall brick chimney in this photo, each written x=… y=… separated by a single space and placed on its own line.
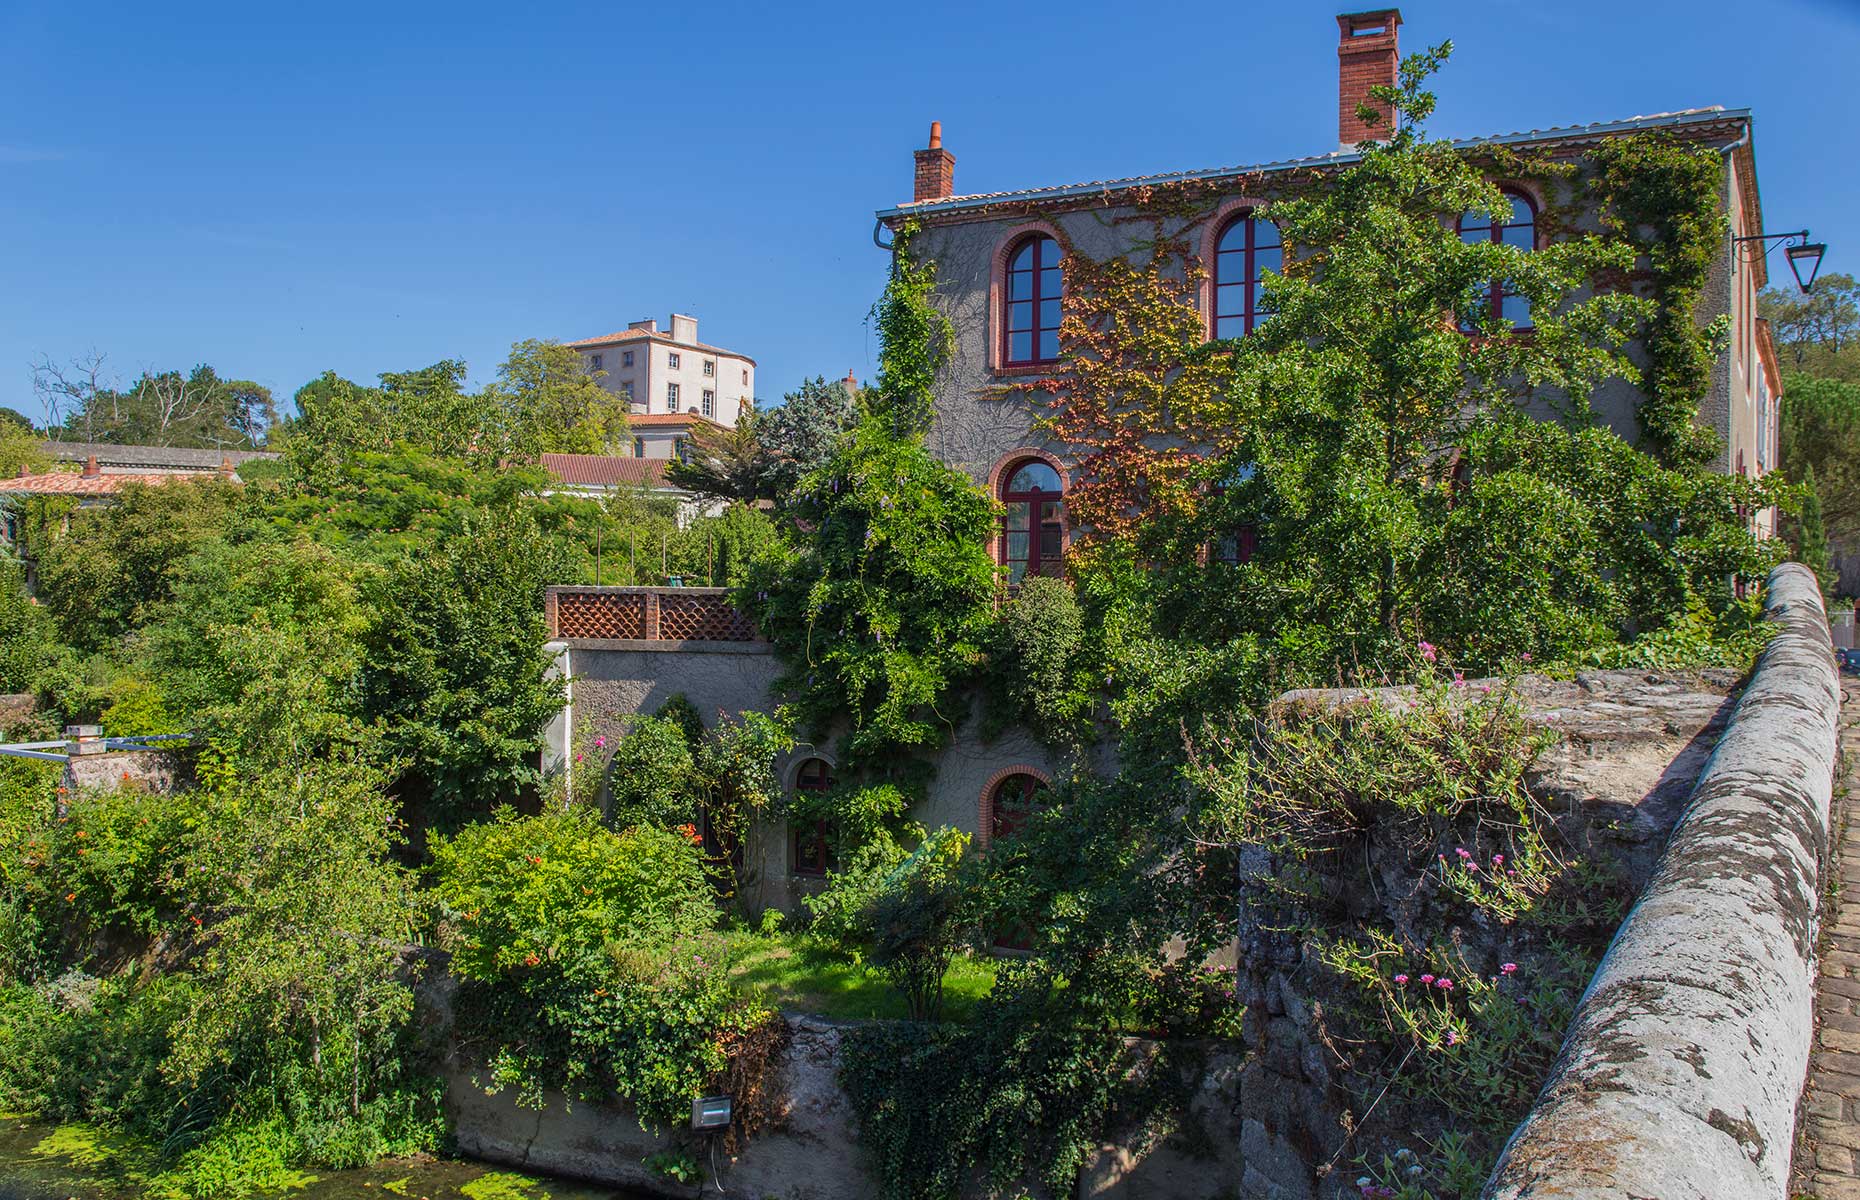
x=936 y=169
x=1367 y=55
x=91 y=470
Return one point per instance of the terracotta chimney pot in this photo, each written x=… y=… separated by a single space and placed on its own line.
x=936 y=169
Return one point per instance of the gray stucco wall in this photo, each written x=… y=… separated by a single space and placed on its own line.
x=1684 y=1064
x=613 y=682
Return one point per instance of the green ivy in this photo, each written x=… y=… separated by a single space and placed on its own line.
x=914 y=337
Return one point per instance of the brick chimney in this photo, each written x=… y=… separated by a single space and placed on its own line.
x=91 y=470
x=1367 y=55
x=936 y=169
x=851 y=382
x=226 y=467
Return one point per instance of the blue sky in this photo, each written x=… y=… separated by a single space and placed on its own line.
x=279 y=190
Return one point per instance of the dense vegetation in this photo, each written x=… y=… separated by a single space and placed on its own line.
x=356 y=637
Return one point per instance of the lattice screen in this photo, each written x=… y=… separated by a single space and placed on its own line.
x=700 y=618
x=600 y=615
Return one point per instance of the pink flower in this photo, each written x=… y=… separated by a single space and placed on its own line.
x=1401 y=979
x=1498 y=860
x=1527 y=656
x=1507 y=968
x=1445 y=985
x=1427 y=651
x=578 y=758
x=600 y=743
x=1472 y=866
x=1459 y=679
x=1427 y=979
x=1463 y=852
x=1453 y=1037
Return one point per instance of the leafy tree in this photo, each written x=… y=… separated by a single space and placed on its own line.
x=20 y=450
x=454 y=665
x=880 y=611
x=552 y=404
x=11 y=419
x=802 y=432
x=107 y=572
x=919 y=919
x=425 y=410
x=1820 y=425
x=1811 y=538
x=258 y=648
x=198 y=409
x=726 y=464
x=1817 y=333
x=652 y=778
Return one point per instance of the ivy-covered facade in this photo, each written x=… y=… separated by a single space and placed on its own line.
x=1680 y=187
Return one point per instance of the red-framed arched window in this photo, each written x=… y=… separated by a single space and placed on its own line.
x=1518 y=229
x=1030 y=332
x=1033 y=534
x=1248 y=246
x=1013 y=803
x=813 y=850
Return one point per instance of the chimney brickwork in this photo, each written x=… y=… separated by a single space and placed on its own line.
x=1368 y=54
x=936 y=169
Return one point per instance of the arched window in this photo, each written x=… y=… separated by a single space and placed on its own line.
x=1013 y=803
x=1248 y=246
x=1033 y=534
x=1520 y=230
x=813 y=849
x=1031 y=332
x=1239 y=540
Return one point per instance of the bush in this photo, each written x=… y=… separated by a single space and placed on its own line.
x=652 y=777
x=918 y=918
x=1036 y=668
x=558 y=888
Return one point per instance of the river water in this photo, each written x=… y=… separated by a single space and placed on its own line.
x=40 y=1162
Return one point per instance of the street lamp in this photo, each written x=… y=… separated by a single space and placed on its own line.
x=1803 y=256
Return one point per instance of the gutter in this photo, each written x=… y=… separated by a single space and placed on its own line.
x=1336 y=159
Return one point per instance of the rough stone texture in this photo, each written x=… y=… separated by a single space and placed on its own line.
x=813 y=1153
x=150 y=769
x=1684 y=1063
x=1830 y=1116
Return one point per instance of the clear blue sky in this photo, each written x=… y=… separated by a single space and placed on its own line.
x=277 y=190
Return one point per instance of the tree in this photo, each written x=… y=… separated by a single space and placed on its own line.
x=164 y=408
x=727 y=464
x=1811 y=538
x=1820 y=432
x=801 y=433
x=454 y=665
x=552 y=403
x=20 y=450
x=1817 y=332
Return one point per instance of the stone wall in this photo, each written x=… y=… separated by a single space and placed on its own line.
x=1683 y=1067
x=813 y=1152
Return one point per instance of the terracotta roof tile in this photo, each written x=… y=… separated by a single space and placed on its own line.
x=74 y=483
x=670 y=420
x=647 y=335
x=604 y=470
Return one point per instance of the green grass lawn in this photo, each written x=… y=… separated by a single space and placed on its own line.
x=802 y=975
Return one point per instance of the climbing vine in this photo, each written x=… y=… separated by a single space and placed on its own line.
x=914 y=337
x=1662 y=197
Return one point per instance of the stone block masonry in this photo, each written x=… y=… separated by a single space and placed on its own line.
x=1684 y=1065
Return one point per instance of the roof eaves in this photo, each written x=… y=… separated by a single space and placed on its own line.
x=1339 y=158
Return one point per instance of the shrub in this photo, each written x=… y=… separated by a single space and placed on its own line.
x=558 y=888
x=1036 y=668
x=918 y=918
x=652 y=777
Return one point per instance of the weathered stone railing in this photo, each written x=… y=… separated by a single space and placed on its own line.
x=1684 y=1064
x=653 y=614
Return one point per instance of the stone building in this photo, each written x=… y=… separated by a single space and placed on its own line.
x=671 y=374
x=999 y=275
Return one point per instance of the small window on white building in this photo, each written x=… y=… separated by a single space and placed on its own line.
x=626 y=390
x=639 y=447
x=710 y=403
x=710 y=366
x=626 y=358
x=594 y=362
x=671 y=360
x=671 y=397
